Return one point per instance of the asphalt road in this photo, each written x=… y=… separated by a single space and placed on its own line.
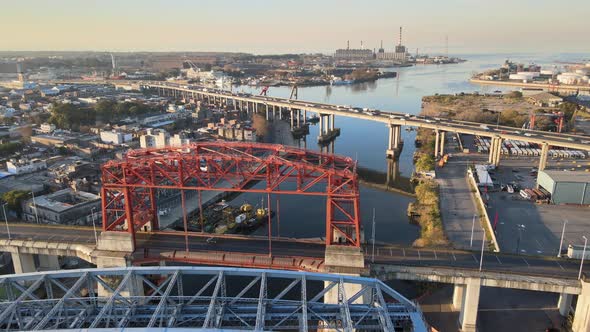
x=459 y=205
x=384 y=254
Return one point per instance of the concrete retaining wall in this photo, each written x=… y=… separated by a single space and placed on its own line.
x=486 y=217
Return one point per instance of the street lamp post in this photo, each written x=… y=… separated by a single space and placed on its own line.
x=561 y=241
x=472 y=229
x=94 y=226
x=373 y=238
x=6 y=219
x=483 y=241
x=583 y=254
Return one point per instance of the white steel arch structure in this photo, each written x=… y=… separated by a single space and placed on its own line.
x=201 y=298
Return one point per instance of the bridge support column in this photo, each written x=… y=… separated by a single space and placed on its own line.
x=321 y=125
x=582 y=314
x=22 y=263
x=458 y=293
x=346 y=261
x=498 y=151
x=469 y=306
x=442 y=144
x=544 y=155
x=332 y=121
x=292 y=118
x=492 y=151
x=436 y=143
x=564 y=304
x=48 y=263
x=393 y=144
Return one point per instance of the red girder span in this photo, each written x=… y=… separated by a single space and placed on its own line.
x=129 y=184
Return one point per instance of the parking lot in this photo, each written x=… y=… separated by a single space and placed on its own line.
x=523 y=225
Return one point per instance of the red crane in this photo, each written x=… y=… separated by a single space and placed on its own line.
x=264 y=91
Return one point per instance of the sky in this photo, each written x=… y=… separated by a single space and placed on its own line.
x=298 y=26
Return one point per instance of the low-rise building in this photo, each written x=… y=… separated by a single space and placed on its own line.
x=545 y=99
x=158 y=138
x=566 y=187
x=66 y=207
x=115 y=137
x=23 y=166
x=46 y=128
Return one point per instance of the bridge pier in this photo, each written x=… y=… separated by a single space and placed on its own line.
x=23 y=263
x=458 y=293
x=346 y=261
x=544 y=154
x=495 y=150
x=564 y=304
x=328 y=131
x=48 y=263
x=469 y=305
x=582 y=314
x=441 y=146
x=394 y=142
x=436 y=143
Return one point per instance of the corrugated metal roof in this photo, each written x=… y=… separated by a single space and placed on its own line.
x=568 y=176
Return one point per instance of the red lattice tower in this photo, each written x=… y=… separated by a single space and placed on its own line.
x=129 y=185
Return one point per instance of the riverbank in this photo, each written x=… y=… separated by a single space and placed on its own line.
x=425 y=211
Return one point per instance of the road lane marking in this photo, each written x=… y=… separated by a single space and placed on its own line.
x=419 y=257
x=560 y=265
x=404 y=250
x=435 y=254
x=527 y=263
x=472 y=255
x=390 y=252
x=454 y=258
x=498 y=258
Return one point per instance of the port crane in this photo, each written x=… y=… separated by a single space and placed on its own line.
x=264 y=90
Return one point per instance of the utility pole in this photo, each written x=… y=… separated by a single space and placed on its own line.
x=94 y=226
x=373 y=238
x=583 y=254
x=472 y=229
x=35 y=206
x=483 y=241
x=6 y=219
x=561 y=241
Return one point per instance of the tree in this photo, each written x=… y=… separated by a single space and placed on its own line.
x=514 y=94
x=68 y=116
x=9 y=148
x=14 y=199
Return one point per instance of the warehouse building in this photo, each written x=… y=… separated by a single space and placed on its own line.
x=566 y=187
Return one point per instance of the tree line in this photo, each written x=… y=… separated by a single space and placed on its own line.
x=72 y=117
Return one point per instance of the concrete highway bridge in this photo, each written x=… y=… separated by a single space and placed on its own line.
x=461 y=268
x=277 y=107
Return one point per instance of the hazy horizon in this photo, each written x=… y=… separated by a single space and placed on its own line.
x=265 y=27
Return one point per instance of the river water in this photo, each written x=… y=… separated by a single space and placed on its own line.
x=304 y=216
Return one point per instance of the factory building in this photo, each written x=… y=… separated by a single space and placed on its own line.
x=353 y=54
x=399 y=55
x=566 y=187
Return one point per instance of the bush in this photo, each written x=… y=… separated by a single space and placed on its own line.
x=425 y=163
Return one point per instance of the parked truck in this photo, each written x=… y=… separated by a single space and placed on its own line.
x=576 y=252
